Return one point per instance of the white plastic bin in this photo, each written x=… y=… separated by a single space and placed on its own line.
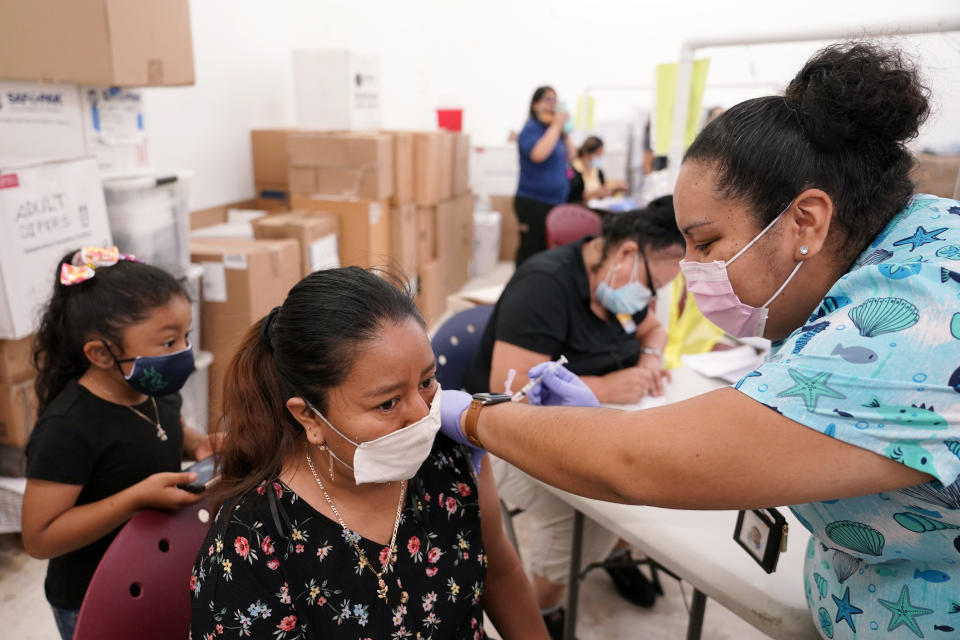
x=150 y=217
x=196 y=394
x=192 y=282
x=486 y=241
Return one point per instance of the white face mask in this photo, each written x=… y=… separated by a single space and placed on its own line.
x=395 y=456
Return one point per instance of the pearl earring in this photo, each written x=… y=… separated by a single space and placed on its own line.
x=804 y=250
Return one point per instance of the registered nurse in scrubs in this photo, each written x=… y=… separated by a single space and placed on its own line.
x=801 y=225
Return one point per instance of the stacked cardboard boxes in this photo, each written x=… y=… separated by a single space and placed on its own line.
x=242 y=281
x=18 y=402
x=270 y=168
x=352 y=165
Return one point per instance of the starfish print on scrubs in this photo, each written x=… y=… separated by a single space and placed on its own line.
x=920 y=238
x=845 y=610
x=904 y=613
x=810 y=389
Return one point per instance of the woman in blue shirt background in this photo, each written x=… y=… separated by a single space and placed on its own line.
x=542 y=144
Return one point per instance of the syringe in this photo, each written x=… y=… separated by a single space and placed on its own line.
x=519 y=395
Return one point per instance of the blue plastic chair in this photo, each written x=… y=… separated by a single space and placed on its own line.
x=455 y=343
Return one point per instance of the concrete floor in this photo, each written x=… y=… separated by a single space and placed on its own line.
x=24 y=614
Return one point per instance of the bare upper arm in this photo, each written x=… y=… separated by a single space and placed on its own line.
x=508 y=356
x=43 y=502
x=649 y=324
x=491 y=519
x=724 y=450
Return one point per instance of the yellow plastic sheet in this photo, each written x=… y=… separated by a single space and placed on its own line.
x=690 y=332
x=666 y=99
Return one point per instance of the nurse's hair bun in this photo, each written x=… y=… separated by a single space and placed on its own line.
x=858 y=94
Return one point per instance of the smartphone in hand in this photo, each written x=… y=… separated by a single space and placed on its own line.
x=206 y=476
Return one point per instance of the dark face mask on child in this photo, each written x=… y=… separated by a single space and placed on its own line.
x=158 y=375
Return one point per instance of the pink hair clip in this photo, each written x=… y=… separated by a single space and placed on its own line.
x=85 y=262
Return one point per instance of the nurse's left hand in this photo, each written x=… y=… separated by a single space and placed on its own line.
x=559 y=387
x=453 y=405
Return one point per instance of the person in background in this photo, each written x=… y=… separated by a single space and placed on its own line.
x=588 y=181
x=343 y=514
x=802 y=226
x=542 y=145
x=112 y=353
x=592 y=301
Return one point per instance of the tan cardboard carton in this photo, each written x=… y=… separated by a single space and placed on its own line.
x=455 y=239
x=16 y=360
x=432 y=296
x=461 y=164
x=432 y=153
x=404 y=239
x=358 y=165
x=315 y=232
x=122 y=43
x=242 y=281
x=509 y=226
x=18 y=412
x=404 y=165
x=937 y=175
x=270 y=165
x=364 y=238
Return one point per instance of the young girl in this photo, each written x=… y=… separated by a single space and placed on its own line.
x=344 y=515
x=112 y=353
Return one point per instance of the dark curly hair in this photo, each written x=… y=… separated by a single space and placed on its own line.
x=101 y=307
x=652 y=228
x=841 y=126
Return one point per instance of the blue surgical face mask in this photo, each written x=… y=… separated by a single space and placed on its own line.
x=596 y=162
x=631 y=297
x=158 y=375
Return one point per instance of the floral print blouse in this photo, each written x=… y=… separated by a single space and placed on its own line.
x=295 y=575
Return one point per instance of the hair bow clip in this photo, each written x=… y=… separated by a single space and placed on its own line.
x=85 y=262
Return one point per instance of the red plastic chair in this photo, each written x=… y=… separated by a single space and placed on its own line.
x=141 y=589
x=568 y=223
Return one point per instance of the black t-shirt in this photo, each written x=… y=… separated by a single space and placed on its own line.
x=577 y=186
x=546 y=308
x=85 y=440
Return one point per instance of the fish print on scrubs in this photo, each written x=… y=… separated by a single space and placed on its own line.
x=877 y=365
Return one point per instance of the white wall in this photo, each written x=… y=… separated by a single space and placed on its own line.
x=486 y=57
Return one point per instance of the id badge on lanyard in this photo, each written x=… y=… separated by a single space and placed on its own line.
x=626 y=321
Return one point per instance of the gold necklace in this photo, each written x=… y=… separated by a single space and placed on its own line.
x=353 y=537
x=161 y=434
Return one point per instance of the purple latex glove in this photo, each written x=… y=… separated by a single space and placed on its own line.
x=453 y=404
x=559 y=387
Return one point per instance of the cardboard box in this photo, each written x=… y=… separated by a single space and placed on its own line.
x=315 y=232
x=404 y=239
x=355 y=165
x=216 y=215
x=242 y=281
x=432 y=294
x=16 y=360
x=124 y=43
x=18 y=412
x=461 y=164
x=433 y=174
x=937 y=175
x=270 y=164
x=364 y=238
x=455 y=240
x=271 y=197
x=495 y=170
x=43 y=121
x=336 y=90
x=509 y=226
x=46 y=210
x=404 y=164
x=426 y=234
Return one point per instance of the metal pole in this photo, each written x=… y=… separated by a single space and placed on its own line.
x=697 y=608
x=573 y=585
x=839 y=32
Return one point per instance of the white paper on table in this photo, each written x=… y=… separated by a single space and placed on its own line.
x=484 y=295
x=648 y=402
x=16 y=485
x=730 y=365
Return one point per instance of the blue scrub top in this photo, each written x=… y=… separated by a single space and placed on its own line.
x=878 y=366
x=544 y=181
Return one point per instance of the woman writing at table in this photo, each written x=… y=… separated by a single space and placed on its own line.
x=593 y=301
x=802 y=226
x=588 y=181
